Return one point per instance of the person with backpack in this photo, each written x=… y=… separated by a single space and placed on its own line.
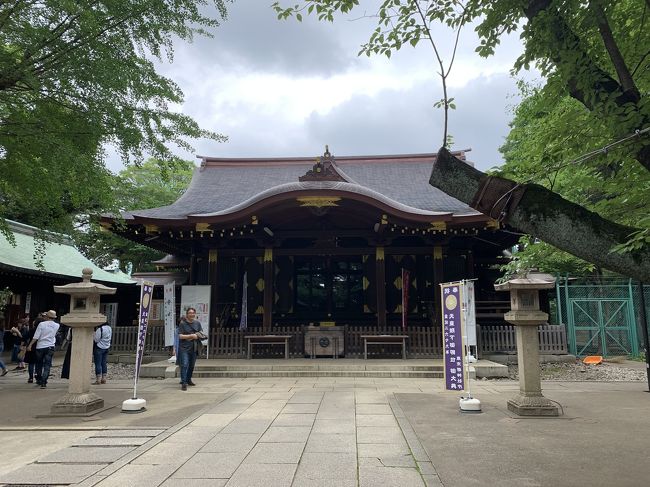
x=102 y=338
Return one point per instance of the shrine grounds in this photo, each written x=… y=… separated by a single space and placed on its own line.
x=339 y=431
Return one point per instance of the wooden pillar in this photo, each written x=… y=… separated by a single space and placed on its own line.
x=469 y=262
x=268 y=289
x=380 y=264
x=193 y=269
x=212 y=280
x=437 y=280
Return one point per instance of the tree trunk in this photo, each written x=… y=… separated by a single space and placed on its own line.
x=535 y=210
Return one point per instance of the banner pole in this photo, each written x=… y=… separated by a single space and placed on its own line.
x=135 y=405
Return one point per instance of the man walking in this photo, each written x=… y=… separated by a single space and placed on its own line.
x=189 y=330
x=45 y=339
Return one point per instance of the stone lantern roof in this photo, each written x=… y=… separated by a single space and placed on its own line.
x=532 y=280
x=85 y=287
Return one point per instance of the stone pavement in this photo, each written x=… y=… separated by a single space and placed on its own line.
x=325 y=431
x=271 y=432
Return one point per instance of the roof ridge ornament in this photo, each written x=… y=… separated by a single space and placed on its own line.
x=325 y=169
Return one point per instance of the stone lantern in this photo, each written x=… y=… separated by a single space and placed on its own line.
x=526 y=315
x=83 y=317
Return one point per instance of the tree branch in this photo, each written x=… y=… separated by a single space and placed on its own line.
x=443 y=75
x=600 y=83
x=614 y=52
x=543 y=214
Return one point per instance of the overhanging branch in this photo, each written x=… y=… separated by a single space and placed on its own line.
x=535 y=210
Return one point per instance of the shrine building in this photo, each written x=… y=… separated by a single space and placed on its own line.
x=323 y=240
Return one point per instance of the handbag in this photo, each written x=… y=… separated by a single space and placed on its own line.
x=201 y=336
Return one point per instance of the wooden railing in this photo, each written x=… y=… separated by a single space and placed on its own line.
x=230 y=342
x=424 y=341
x=495 y=339
x=125 y=339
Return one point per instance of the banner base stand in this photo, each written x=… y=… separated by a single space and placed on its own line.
x=469 y=405
x=135 y=405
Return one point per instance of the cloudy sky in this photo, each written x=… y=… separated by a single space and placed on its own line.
x=284 y=88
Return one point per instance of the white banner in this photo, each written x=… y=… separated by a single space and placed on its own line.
x=469 y=312
x=169 y=312
x=197 y=297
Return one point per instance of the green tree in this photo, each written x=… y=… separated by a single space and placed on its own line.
x=76 y=75
x=547 y=128
x=134 y=188
x=594 y=52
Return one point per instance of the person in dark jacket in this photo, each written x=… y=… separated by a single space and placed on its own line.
x=188 y=343
x=30 y=355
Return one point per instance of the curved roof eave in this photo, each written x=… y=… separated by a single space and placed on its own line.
x=334 y=188
x=325 y=189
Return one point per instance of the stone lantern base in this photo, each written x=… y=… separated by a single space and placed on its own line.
x=532 y=406
x=81 y=404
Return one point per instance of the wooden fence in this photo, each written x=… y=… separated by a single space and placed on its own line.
x=495 y=339
x=424 y=341
x=125 y=339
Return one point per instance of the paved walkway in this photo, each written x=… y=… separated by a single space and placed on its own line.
x=325 y=431
x=266 y=432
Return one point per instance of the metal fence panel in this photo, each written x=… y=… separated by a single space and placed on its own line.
x=602 y=315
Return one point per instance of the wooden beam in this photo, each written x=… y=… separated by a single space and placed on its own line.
x=212 y=280
x=438 y=275
x=380 y=267
x=268 y=289
x=193 y=268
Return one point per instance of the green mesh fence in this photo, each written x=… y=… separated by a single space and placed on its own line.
x=602 y=316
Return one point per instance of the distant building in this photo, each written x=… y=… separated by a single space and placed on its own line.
x=32 y=288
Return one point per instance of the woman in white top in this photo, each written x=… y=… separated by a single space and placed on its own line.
x=103 y=335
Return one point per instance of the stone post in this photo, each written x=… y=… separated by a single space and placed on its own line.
x=526 y=316
x=84 y=316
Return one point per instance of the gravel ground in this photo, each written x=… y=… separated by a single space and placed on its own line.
x=605 y=372
x=115 y=371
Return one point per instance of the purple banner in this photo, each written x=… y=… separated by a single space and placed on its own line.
x=145 y=305
x=452 y=337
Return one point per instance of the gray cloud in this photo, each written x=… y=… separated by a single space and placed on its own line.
x=395 y=122
x=253 y=39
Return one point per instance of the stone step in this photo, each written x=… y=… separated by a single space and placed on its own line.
x=330 y=368
x=320 y=367
x=318 y=373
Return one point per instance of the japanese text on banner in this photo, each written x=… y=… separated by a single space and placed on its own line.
x=145 y=304
x=452 y=337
